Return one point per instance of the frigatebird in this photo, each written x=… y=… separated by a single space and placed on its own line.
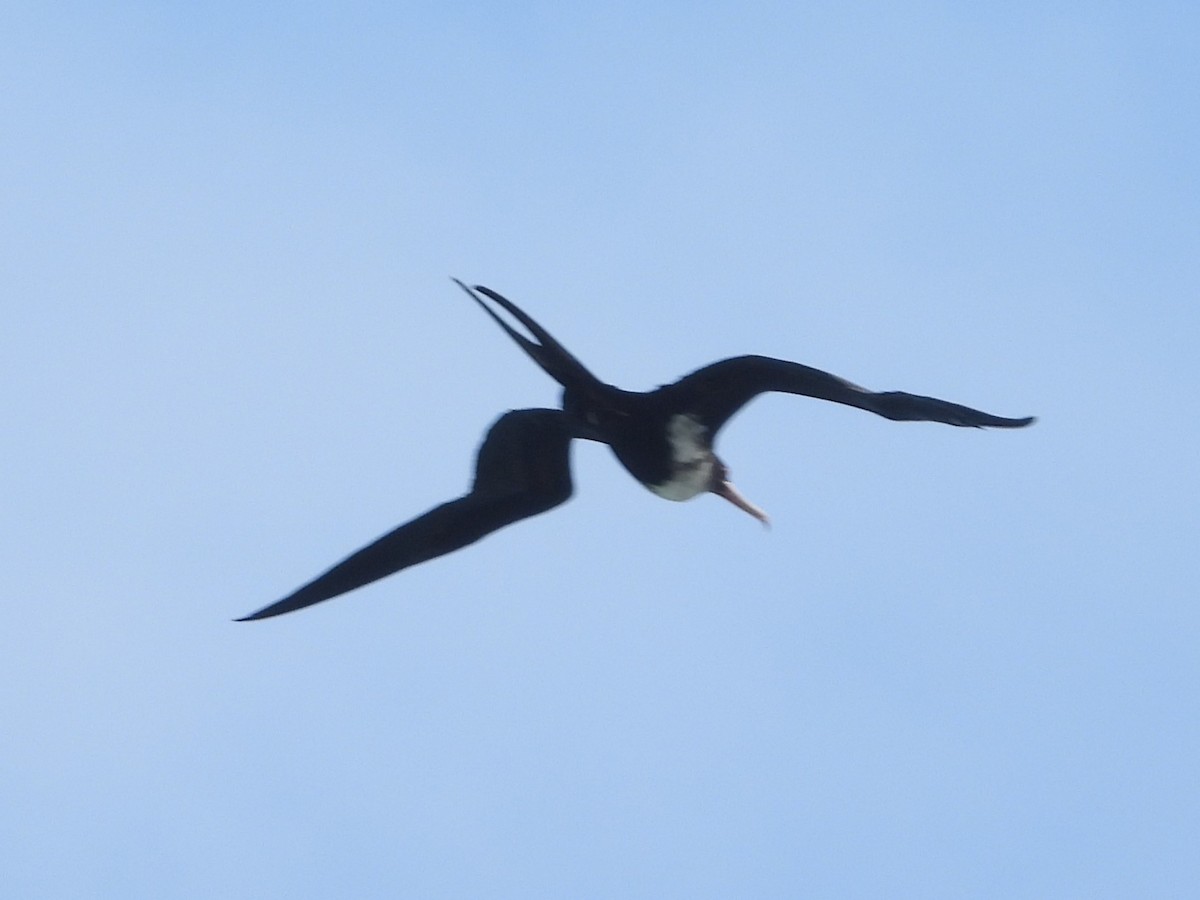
x=664 y=438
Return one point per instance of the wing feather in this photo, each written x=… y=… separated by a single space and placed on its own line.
x=716 y=392
x=522 y=469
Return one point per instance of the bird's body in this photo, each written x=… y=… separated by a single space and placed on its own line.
x=664 y=438
x=691 y=459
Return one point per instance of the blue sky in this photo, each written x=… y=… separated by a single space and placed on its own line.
x=961 y=664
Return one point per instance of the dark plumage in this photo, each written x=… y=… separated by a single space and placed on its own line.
x=663 y=437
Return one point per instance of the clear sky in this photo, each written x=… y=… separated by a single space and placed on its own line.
x=962 y=663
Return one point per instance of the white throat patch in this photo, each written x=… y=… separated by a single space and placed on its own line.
x=691 y=460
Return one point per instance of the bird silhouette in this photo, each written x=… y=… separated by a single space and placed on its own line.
x=664 y=438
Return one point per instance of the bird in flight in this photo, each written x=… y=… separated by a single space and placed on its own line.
x=664 y=438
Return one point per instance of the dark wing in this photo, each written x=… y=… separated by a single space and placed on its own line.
x=522 y=469
x=716 y=392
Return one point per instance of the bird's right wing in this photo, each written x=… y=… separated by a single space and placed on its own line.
x=716 y=392
x=523 y=468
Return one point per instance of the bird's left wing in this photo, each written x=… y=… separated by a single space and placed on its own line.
x=716 y=392
x=523 y=468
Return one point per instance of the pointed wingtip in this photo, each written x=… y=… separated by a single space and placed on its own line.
x=1020 y=423
x=1000 y=422
x=266 y=612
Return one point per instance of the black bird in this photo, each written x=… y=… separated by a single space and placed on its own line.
x=663 y=437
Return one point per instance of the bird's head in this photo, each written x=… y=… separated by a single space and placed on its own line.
x=720 y=485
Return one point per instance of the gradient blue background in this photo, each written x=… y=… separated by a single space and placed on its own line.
x=962 y=664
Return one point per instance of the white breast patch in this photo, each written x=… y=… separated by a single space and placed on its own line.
x=691 y=460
